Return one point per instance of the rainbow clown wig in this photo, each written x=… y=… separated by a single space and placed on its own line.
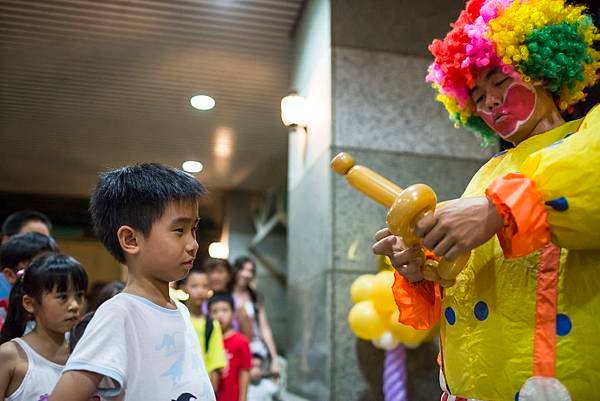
x=544 y=41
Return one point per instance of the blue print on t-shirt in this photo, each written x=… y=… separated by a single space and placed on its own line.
x=168 y=343
x=175 y=371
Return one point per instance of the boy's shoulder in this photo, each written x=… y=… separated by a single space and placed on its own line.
x=115 y=305
x=127 y=302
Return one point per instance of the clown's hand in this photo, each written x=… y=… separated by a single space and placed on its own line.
x=407 y=261
x=459 y=226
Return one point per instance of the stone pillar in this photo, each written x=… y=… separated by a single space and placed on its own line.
x=270 y=257
x=384 y=114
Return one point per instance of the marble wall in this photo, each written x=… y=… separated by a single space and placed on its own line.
x=239 y=211
x=384 y=114
x=310 y=282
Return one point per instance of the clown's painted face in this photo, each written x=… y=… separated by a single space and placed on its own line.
x=503 y=102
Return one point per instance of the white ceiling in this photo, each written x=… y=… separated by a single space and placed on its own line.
x=87 y=85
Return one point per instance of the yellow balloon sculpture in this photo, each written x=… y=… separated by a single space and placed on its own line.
x=375 y=315
x=406 y=208
x=365 y=322
x=362 y=287
x=382 y=294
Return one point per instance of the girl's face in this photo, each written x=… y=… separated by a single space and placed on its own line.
x=197 y=286
x=218 y=278
x=246 y=274
x=57 y=311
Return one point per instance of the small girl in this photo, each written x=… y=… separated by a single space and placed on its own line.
x=51 y=290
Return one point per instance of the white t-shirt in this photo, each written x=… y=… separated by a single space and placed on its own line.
x=263 y=391
x=144 y=351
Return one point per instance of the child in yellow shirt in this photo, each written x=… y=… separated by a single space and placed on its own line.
x=208 y=330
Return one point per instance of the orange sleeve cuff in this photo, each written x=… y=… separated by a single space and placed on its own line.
x=419 y=304
x=520 y=205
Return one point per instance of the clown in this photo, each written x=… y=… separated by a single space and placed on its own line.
x=521 y=323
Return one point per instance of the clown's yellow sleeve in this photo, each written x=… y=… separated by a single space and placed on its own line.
x=555 y=196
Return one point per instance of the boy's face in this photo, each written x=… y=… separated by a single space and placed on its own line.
x=256 y=370
x=219 y=278
x=222 y=312
x=35 y=226
x=508 y=105
x=197 y=286
x=169 y=250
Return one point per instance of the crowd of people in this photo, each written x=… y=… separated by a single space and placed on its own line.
x=134 y=339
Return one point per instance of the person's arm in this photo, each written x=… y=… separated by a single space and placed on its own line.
x=76 y=385
x=99 y=361
x=418 y=301
x=214 y=379
x=245 y=359
x=554 y=195
x=9 y=358
x=267 y=336
x=244 y=381
x=245 y=322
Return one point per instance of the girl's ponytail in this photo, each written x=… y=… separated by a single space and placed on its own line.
x=17 y=317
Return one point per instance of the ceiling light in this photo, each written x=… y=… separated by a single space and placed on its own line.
x=192 y=166
x=218 y=250
x=223 y=143
x=202 y=102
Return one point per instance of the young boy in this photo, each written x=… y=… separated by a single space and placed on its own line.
x=233 y=385
x=20 y=249
x=260 y=389
x=25 y=221
x=141 y=344
x=208 y=330
x=15 y=255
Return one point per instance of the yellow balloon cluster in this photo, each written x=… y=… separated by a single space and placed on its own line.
x=374 y=315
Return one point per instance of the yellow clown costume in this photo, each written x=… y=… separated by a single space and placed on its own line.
x=521 y=322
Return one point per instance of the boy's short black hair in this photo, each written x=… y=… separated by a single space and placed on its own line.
x=222 y=297
x=258 y=356
x=13 y=223
x=137 y=196
x=24 y=246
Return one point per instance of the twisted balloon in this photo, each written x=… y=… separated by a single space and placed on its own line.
x=395 y=375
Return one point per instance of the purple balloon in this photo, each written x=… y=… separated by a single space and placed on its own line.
x=394 y=375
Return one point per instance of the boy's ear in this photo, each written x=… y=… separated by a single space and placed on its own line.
x=128 y=239
x=28 y=304
x=9 y=275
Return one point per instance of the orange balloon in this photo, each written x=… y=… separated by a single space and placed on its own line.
x=405 y=334
x=365 y=322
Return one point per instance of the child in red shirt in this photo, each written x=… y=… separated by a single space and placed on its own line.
x=233 y=383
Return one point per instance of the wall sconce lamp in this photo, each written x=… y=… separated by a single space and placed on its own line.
x=294 y=111
x=218 y=250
